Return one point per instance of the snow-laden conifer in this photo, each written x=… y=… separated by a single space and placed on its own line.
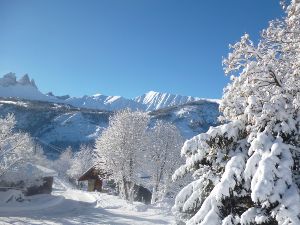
x=247 y=170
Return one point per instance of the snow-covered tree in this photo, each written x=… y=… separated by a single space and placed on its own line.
x=120 y=148
x=15 y=147
x=63 y=163
x=247 y=170
x=81 y=161
x=163 y=157
x=38 y=157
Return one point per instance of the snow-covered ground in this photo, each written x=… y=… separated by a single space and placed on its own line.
x=67 y=206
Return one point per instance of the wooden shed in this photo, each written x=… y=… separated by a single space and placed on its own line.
x=94 y=177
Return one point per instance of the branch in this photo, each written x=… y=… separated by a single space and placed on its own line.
x=273 y=75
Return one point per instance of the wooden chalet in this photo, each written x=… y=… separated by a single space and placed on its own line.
x=94 y=177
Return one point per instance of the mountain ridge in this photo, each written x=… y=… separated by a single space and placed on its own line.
x=26 y=89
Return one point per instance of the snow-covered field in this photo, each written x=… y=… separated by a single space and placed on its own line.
x=67 y=206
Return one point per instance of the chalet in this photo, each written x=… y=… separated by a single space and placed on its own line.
x=31 y=179
x=94 y=177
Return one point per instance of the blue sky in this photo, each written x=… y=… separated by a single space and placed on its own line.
x=126 y=47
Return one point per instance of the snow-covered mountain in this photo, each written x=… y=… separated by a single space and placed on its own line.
x=24 y=88
x=104 y=102
x=191 y=118
x=155 y=100
x=60 y=121
x=56 y=126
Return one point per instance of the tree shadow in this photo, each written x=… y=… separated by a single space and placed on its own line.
x=71 y=212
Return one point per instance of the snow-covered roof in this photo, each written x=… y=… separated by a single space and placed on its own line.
x=28 y=170
x=92 y=173
x=45 y=171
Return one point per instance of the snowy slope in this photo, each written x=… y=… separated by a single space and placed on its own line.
x=56 y=126
x=191 y=118
x=72 y=127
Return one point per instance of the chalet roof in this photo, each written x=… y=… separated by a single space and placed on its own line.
x=93 y=173
x=45 y=172
x=26 y=170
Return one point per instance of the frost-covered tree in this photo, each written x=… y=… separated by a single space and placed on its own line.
x=63 y=163
x=163 y=157
x=15 y=147
x=38 y=157
x=81 y=161
x=120 y=148
x=247 y=170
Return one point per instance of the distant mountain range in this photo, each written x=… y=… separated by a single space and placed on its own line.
x=60 y=121
x=25 y=88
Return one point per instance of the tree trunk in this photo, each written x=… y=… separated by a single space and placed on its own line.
x=124 y=189
x=154 y=195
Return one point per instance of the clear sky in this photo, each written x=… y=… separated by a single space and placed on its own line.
x=126 y=47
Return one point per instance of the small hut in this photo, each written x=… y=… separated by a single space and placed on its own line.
x=30 y=178
x=94 y=177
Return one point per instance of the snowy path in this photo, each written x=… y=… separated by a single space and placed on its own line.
x=79 y=207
